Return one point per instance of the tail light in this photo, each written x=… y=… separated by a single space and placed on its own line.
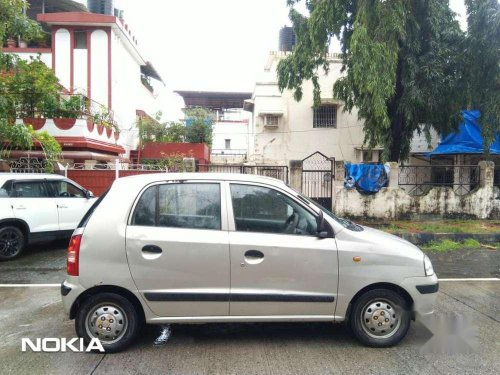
x=73 y=255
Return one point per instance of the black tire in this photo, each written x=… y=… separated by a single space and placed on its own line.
x=131 y=321
x=380 y=318
x=12 y=242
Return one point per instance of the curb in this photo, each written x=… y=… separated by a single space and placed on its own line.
x=422 y=238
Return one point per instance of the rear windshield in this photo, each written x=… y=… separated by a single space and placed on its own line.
x=91 y=210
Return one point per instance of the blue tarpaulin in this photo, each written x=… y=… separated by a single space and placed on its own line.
x=467 y=140
x=366 y=178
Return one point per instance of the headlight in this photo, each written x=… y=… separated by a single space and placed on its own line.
x=429 y=271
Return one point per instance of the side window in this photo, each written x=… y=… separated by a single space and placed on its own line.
x=189 y=206
x=145 y=210
x=186 y=205
x=30 y=189
x=260 y=209
x=63 y=189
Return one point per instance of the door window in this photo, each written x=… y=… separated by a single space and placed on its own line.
x=62 y=189
x=260 y=209
x=30 y=189
x=186 y=205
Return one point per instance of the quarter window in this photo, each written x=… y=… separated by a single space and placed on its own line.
x=187 y=205
x=260 y=209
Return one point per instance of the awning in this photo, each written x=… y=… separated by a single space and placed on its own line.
x=150 y=71
x=266 y=112
x=467 y=140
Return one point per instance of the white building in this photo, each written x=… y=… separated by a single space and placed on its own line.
x=231 y=138
x=97 y=56
x=283 y=129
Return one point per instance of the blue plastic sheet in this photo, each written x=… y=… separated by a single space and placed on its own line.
x=366 y=178
x=467 y=140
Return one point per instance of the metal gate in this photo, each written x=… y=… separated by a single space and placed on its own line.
x=317 y=178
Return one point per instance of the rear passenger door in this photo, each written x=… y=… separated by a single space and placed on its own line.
x=32 y=202
x=178 y=249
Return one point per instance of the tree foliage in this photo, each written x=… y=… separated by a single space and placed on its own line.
x=14 y=23
x=483 y=64
x=151 y=129
x=22 y=77
x=401 y=59
x=199 y=122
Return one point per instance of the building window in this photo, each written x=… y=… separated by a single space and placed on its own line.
x=80 y=40
x=325 y=116
x=271 y=120
x=228 y=144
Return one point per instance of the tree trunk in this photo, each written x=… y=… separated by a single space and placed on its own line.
x=397 y=122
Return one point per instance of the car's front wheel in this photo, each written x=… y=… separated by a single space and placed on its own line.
x=109 y=317
x=380 y=318
x=12 y=242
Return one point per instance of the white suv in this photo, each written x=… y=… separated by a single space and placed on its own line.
x=197 y=248
x=38 y=207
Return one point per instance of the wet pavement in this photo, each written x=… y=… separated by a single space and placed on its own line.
x=299 y=348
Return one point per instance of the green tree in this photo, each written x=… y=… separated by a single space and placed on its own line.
x=175 y=132
x=483 y=64
x=401 y=63
x=19 y=82
x=199 y=123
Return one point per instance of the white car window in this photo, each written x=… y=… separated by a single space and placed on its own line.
x=30 y=189
x=64 y=189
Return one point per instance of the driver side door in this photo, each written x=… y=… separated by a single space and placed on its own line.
x=278 y=264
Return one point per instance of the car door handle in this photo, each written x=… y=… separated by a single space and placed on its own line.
x=253 y=257
x=20 y=208
x=254 y=254
x=152 y=249
x=62 y=206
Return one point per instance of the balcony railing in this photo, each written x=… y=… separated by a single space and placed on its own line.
x=25 y=104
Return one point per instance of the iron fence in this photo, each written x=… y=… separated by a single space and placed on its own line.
x=276 y=171
x=28 y=165
x=420 y=179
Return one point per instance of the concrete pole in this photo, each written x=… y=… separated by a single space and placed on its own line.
x=296 y=174
x=486 y=173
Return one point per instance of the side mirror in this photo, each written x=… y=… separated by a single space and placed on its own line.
x=88 y=194
x=322 y=230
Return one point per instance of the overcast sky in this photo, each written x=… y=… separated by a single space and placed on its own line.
x=210 y=44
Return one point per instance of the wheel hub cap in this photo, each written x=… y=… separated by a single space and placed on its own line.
x=380 y=319
x=107 y=322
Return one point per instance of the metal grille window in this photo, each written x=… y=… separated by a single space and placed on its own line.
x=271 y=120
x=325 y=116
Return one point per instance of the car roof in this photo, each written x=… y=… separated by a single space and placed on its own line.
x=152 y=177
x=29 y=176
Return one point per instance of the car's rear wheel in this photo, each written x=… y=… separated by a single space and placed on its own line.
x=380 y=318
x=12 y=242
x=110 y=318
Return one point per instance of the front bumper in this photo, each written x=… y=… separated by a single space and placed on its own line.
x=423 y=291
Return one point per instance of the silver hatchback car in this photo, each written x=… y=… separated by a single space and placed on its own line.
x=199 y=248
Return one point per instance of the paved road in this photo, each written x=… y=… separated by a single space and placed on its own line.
x=318 y=348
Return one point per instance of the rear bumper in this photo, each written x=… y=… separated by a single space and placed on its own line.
x=423 y=291
x=70 y=290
